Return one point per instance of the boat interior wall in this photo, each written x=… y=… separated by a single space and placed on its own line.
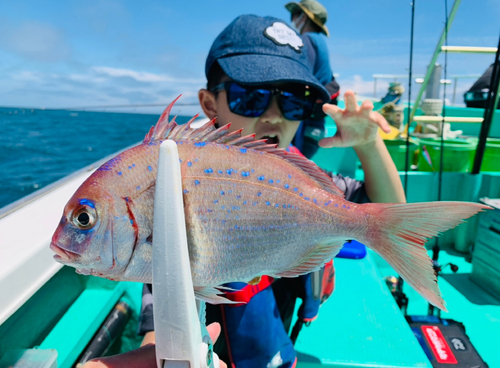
x=422 y=187
x=34 y=320
x=23 y=270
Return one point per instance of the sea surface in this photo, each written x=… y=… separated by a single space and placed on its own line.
x=38 y=147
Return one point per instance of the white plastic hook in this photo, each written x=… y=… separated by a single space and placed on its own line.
x=182 y=340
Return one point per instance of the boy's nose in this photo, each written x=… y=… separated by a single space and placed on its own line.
x=273 y=113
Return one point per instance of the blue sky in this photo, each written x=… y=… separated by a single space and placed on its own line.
x=60 y=54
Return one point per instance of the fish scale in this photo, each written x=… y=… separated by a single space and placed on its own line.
x=251 y=210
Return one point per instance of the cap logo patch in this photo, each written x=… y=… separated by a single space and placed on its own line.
x=282 y=35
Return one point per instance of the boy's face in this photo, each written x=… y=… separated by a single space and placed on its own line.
x=271 y=125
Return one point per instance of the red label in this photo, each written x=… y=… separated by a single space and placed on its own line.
x=438 y=344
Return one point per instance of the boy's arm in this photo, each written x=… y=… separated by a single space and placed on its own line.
x=357 y=127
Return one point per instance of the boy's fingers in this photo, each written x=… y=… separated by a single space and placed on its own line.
x=350 y=101
x=381 y=122
x=366 y=108
x=333 y=111
x=214 y=331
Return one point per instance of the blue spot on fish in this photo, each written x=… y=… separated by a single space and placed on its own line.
x=130 y=167
x=223 y=207
x=190 y=163
x=86 y=202
x=306 y=198
x=259 y=194
x=221 y=192
x=289 y=176
x=209 y=171
x=254 y=203
x=151 y=169
x=238 y=197
x=295 y=189
x=185 y=191
x=343 y=206
x=243 y=150
x=216 y=201
x=287 y=186
x=261 y=178
x=301 y=194
x=245 y=173
x=276 y=205
x=336 y=205
x=131 y=222
x=228 y=171
x=252 y=170
x=284 y=206
x=138 y=187
x=119 y=172
x=200 y=144
x=315 y=201
x=245 y=202
x=133 y=165
x=196 y=182
x=271 y=181
x=327 y=203
x=268 y=203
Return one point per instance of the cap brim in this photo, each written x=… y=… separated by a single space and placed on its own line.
x=262 y=69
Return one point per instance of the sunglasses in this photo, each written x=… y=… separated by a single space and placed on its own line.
x=295 y=103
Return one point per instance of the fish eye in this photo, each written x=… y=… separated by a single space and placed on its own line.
x=84 y=218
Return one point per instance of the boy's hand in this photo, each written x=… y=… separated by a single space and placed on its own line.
x=356 y=125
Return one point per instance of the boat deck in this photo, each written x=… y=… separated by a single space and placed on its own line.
x=361 y=325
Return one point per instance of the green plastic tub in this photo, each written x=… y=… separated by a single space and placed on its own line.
x=397 y=150
x=458 y=155
x=491 y=158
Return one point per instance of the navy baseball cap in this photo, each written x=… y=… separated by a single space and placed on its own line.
x=262 y=50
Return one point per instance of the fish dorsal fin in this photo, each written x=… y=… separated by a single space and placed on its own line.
x=165 y=129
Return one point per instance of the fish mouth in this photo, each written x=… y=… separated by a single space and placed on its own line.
x=62 y=255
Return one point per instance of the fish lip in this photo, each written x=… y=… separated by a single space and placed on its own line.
x=62 y=255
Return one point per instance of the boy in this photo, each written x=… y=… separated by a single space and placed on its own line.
x=259 y=80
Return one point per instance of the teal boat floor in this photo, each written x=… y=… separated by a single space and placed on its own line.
x=467 y=302
x=360 y=325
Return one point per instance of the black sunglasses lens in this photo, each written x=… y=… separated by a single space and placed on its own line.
x=247 y=101
x=294 y=107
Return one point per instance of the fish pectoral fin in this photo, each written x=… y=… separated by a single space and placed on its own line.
x=255 y=280
x=314 y=260
x=212 y=295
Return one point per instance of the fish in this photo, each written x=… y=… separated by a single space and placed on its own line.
x=251 y=209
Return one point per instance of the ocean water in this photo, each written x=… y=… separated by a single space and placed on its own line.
x=38 y=147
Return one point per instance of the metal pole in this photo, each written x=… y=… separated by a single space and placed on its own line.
x=489 y=112
x=454 y=90
x=451 y=17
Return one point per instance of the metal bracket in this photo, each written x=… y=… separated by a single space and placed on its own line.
x=182 y=340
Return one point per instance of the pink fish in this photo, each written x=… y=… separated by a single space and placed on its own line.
x=251 y=210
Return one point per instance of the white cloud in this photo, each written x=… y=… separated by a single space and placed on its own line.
x=362 y=87
x=143 y=76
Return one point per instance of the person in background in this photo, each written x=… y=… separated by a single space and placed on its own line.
x=259 y=79
x=308 y=18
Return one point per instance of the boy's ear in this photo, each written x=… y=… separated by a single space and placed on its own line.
x=208 y=103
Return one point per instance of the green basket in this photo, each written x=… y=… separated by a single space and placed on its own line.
x=397 y=150
x=458 y=155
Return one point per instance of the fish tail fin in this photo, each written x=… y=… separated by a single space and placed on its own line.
x=398 y=232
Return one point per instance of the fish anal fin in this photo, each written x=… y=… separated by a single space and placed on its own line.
x=212 y=295
x=314 y=260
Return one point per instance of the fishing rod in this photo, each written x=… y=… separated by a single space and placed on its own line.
x=410 y=71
